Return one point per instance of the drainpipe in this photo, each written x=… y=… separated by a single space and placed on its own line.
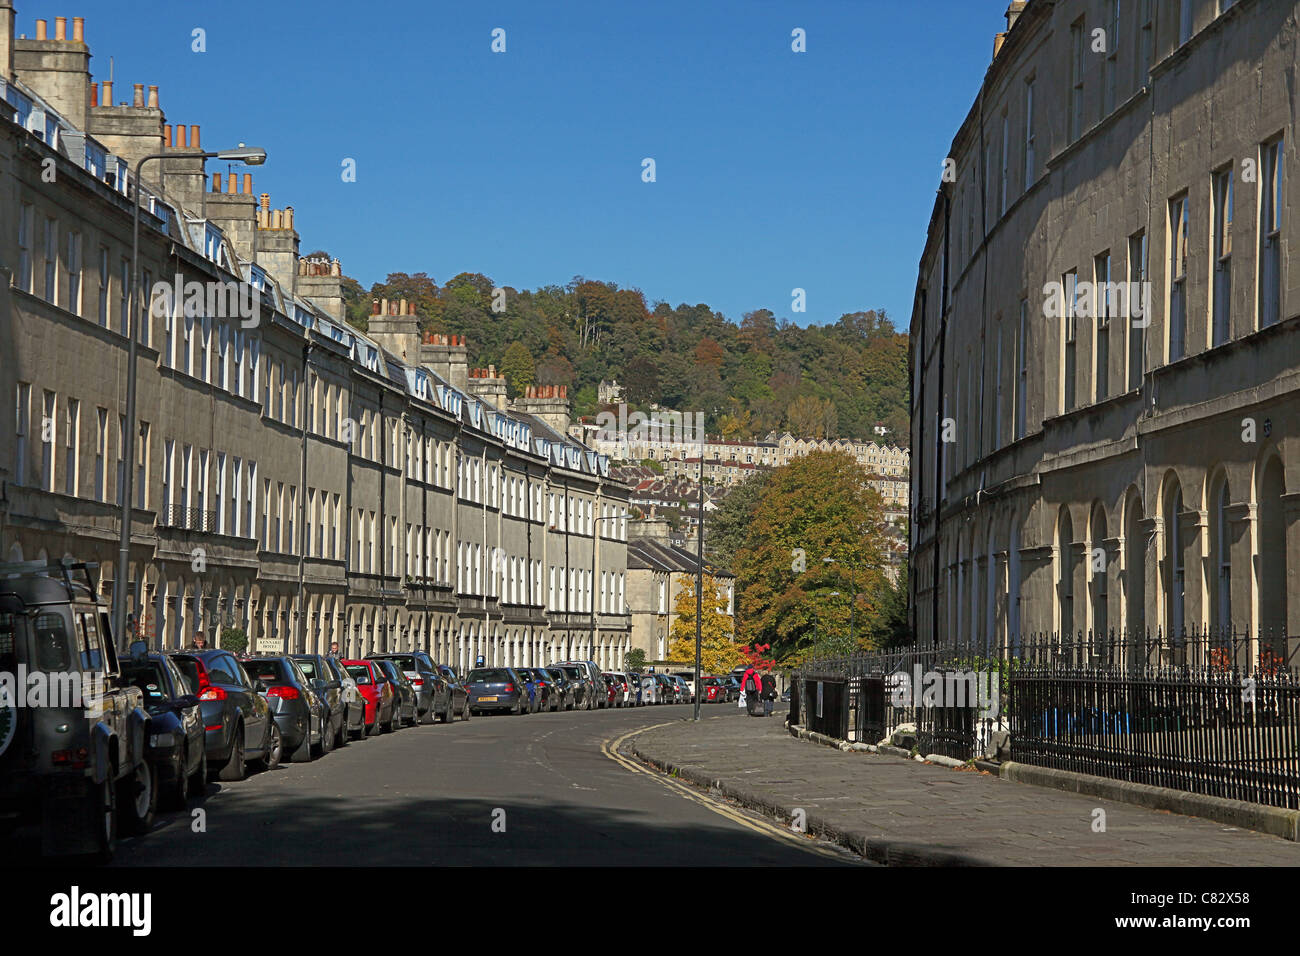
x=938 y=458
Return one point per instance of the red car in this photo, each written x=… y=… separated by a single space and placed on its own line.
x=377 y=693
x=715 y=692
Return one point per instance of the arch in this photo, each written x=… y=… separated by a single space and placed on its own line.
x=1135 y=581
x=1098 y=573
x=1065 y=568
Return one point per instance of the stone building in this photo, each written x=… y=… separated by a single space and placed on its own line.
x=1104 y=342
x=293 y=477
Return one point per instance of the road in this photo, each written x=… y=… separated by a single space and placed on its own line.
x=429 y=796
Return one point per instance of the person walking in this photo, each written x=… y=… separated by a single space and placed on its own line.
x=769 y=694
x=200 y=642
x=753 y=688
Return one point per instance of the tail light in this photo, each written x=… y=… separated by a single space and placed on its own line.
x=75 y=759
x=284 y=692
x=417 y=681
x=510 y=688
x=210 y=692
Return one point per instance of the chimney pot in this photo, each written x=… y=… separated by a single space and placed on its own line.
x=248 y=184
x=232 y=183
x=40 y=29
x=94 y=94
x=277 y=219
x=374 y=306
x=194 y=137
x=216 y=182
x=265 y=201
x=60 y=28
x=168 y=136
x=182 y=137
x=137 y=98
x=153 y=97
x=288 y=210
x=383 y=306
x=79 y=29
x=108 y=93
x=402 y=310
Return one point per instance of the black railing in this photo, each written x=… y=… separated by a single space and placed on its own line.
x=1213 y=712
x=191 y=519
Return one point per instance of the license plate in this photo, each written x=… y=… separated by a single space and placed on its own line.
x=481 y=699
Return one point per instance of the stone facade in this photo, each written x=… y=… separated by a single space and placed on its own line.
x=1084 y=463
x=294 y=477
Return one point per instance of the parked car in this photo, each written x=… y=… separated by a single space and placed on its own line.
x=649 y=689
x=330 y=691
x=354 y=705
x=378 y=693
x=459 y=693
x=562 y=688
x=688 y=680
x=715 y=690
x=669 y=691
x=175 y=748
x=56 y=763
x=431 y=690
x=541 y=687
x=733 y=688
x=611 y=692
x=407 y=712
x=496 y=688
x=299 y=711
x=621 y=687
x=582 y=684
x=237 y=720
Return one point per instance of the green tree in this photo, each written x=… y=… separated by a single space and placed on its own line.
x=518 y=368
x=815 y=536
x=233 y=639
x=634 y=660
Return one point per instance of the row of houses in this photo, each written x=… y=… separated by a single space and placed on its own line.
x=293 y=477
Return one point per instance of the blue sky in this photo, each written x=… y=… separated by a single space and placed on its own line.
x=775 y=169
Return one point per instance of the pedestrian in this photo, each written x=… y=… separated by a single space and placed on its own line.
x=753 y=689
x=769 y=694
x=334 y=648
x=200 y=642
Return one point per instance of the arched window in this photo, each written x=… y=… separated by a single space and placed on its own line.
x=1099 y=575
x=1013 y=586
x=1135 y=571
x=1220 y=559
x=1065 y=579
x=1174 y=570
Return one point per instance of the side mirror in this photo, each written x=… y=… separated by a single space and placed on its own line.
x=318 y=684
x=334 y=684
x=185 y=702
x=259 y=686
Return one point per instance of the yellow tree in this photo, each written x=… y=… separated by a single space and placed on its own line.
x=719 y=652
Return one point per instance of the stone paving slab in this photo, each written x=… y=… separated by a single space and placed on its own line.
x=907 y=813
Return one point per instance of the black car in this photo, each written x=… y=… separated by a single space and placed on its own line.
x=329 y=689
x=496 y=689
x=432 y=693
x=582 y=692
x=299 y=712
x=406 y=704
x=456 y=689
x=543 y=684
x=237 y=720
x=175 y=747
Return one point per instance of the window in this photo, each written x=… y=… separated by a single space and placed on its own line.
x=121 y=458
x=74 y=273
x=23 y=407
x=277 y=541
x=1139 y=302
x=1270 y=234
x=1177 y=277
x=220 y=498
x=168 y=483
x=1076 y=79
x=1102 y=304
x=23 y=280
x=1146 y=41
x=1221 y=243
x=236 y=476
x=997 y=389
x=101 y=454
x=124 y=296
x=1004 y=175
x=250 y=501
x=48 y=408
x=1070 y=284
x=142 y=468
x=1184 y=21
x=71 y=437
x=51 y=261
x=103 y=286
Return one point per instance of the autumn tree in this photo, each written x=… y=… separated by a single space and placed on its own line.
x=812 y=556
x=518 y=369
x=718 y=650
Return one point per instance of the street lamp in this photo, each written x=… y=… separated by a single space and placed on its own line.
x=251 y=156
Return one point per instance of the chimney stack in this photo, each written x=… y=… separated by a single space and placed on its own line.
x=57 y=68
x=6 y=40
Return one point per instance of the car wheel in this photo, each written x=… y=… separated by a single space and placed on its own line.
x=341 y=738
x=464 y=713
x=388 y=725
x=303 y=753
x=198 y=782
x=102 y=801
x=180 y=786
x=274 y=749
x=138 y=798
x=234 y=769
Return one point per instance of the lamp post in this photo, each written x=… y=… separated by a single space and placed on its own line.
x=251 y=156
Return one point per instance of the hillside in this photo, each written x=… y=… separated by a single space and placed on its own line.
x=749 y=378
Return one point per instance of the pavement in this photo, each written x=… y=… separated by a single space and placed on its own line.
x=901 y=812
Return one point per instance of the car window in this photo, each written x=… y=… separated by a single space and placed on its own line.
x=489 y=675
x=92 y=657
x=267 y=671
x=301 y=672
x=336 y=671
x=151 y=682
x=306 y=664
x=53 y=645
x=9 y=629
x=221 y=669
x=189 y=669
x=359 y=672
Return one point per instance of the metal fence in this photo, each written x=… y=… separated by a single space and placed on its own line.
x=1200 y=710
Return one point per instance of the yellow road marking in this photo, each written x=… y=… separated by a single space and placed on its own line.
x=610 y=749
